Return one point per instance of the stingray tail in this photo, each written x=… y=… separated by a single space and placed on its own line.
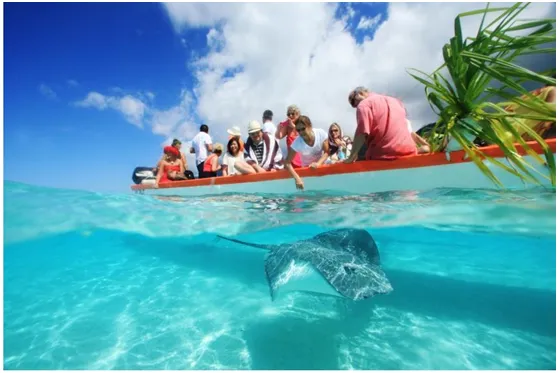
x=259 y=246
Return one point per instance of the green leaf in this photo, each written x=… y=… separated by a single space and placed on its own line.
x=546 y=23
x=458 y=91
x=458 y=34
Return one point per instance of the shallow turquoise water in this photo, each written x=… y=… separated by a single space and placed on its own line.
x=97 y=281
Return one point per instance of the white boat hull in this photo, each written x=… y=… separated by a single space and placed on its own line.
x=361 y=178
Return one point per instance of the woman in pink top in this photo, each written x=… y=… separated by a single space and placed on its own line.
x=382 y=125
x=287 y=128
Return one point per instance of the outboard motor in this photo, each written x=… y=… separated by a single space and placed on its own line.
x=142 y=174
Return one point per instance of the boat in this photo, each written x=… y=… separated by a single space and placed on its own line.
x=413 y=173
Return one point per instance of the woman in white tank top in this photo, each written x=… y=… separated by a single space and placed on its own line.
x=232 y=155
x=312 y=145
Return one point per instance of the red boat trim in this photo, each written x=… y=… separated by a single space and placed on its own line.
x=425 y=160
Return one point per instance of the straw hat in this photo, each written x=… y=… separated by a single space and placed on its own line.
x=234 y=131
x=254 y=126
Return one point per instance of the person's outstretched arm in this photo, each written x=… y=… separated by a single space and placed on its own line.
x=289 y=167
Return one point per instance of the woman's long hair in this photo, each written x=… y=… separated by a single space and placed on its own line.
x=333 y=147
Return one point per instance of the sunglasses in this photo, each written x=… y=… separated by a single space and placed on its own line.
x=300 y=129
x=291 y=114
x=334 y=130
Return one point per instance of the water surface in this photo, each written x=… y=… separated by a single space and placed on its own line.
x=104 y=281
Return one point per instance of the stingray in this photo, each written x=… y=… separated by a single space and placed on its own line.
x=341 y=262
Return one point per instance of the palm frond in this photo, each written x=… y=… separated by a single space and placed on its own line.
x=473 y=65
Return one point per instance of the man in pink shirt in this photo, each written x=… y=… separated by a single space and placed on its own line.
x=382 y=125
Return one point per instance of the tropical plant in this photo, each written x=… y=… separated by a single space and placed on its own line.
x=479 y=72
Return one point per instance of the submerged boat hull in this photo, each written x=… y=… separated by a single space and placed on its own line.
x=422 y=172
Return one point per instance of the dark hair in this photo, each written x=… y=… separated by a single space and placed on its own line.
x=204 y=128
x=176 y=142
x=229 y=144
x=304 y=120
x=268 y=114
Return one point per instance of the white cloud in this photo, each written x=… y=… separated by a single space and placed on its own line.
x=199 y=15
x=72 y=83
x=259 y=58
x=262 y=58
x=131 y=107
x=350 y=11
x=47 y=91
x=369 y=22
x=177 y=120
x=214 y=39
x=94 y=100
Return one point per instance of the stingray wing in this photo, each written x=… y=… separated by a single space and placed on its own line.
x=352 y=276
x=358 y=242
x=311 y=268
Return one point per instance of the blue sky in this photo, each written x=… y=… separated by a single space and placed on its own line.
x=59 y=54
x=54 y=55
x=101 y=47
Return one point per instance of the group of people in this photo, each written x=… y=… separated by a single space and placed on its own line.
x=383 y=132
